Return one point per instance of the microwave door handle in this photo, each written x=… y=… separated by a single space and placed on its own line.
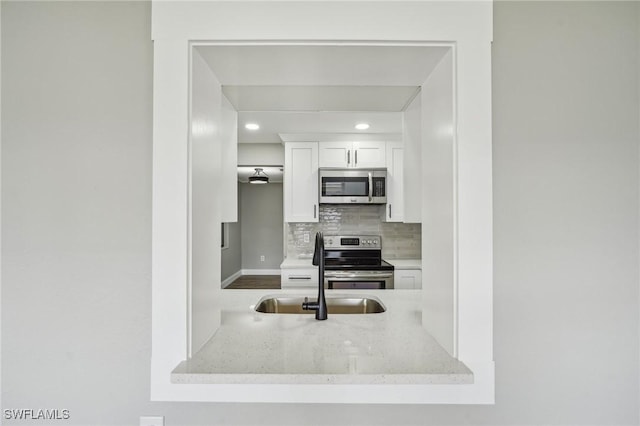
x=370 y=187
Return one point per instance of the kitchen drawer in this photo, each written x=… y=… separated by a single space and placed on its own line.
x=299 y=278
x=407 y=279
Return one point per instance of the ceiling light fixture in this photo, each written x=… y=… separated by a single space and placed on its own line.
x=362 y=126
x=251 y=126
x=259 y=177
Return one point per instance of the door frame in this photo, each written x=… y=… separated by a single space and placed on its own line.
x=466 y=27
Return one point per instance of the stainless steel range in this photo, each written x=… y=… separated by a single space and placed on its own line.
x=355 y=262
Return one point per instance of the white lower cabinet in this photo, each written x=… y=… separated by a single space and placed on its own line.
x=299 y=278
x=407 y=279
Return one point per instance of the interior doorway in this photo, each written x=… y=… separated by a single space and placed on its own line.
x=254 y=251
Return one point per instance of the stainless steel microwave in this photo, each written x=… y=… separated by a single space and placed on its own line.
x=353 y=186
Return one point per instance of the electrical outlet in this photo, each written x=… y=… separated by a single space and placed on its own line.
x=262 y=258
x=151 y=420
x=306 y=237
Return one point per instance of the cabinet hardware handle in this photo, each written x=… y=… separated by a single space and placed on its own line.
x=299 y=278
x=389 y=211
x=349 y=157
x=314 y=211
x=356 y=157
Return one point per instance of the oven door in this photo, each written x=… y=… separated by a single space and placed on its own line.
x=359 y=280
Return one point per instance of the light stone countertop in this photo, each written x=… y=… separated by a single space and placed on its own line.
x=406 y=263
x=391 y=347
x=295 y=263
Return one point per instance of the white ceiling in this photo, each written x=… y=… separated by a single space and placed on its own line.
x=319 y=98
x=322 y=65
x=320 y=91
x=323 y=124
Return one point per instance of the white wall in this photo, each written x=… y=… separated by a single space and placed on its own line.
x=566 y=211
x=206 y=142
x=437 y=195
x=76 y=196
x=265 y=154
x=76 y=219
x=231 y=257
x=261 y=225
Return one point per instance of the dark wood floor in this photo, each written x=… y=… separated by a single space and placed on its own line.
x=270 y=282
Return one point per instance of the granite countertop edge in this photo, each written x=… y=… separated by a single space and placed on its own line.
x=315 y=379
x=241 y=325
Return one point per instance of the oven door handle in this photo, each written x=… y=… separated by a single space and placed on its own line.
x=349 y=276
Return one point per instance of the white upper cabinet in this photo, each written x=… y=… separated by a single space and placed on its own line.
x=395 y=188
x=352 y=154
x=413 y=182
x=369 y=154
x=301 y=182
x=229 y=161
x=335 y=154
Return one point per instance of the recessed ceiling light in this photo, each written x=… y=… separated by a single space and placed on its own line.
x=251 y=126
x=362 y=126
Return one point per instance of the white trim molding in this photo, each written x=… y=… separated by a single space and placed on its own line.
x=231 y=278
x=465 y=25
x=261 y=272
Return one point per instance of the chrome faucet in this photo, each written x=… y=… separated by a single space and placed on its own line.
x=320 y=306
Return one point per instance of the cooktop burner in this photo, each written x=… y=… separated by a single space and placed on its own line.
x=355 y=253
x=361 y=266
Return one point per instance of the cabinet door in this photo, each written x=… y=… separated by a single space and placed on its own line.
x=412 y=140
x=229 y=154
x=301 y=182
x=335 y=154
x=407 y=279
x=368 y=154
x=395 y=191
x=299 y=278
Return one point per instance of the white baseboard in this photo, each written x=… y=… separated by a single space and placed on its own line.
x=260 y=271
x=231 y=278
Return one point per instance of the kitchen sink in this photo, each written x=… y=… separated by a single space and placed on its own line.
x=335 y=305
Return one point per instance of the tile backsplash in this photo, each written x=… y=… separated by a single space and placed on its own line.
x=399 y=240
